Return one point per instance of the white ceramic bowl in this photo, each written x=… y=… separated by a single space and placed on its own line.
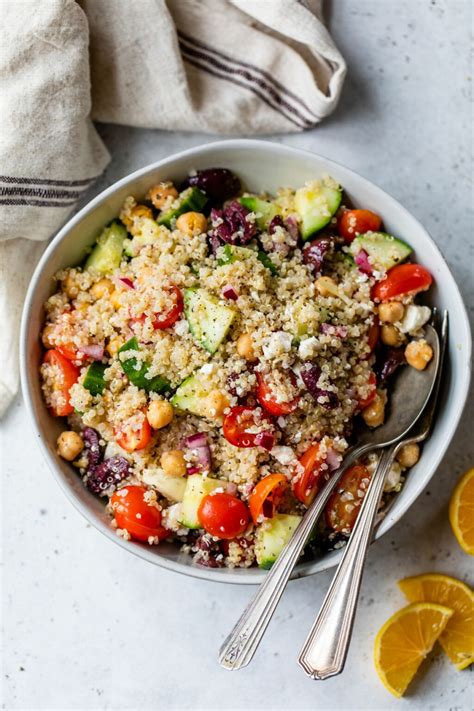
x=261 y=166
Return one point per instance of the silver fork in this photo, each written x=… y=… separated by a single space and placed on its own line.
x=325 y=650
x=240 y=645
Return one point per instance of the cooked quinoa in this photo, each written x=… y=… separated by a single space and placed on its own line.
x=211 y=342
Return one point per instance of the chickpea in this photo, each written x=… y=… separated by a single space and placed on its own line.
x=391 y=336
x=244 y=347
x=391 y=311
x=70 y=445
x=215 y=404
x=46 y=336
x=159 y=413
x=101 y=288
x=116 y=299
x=140 y=211
x=418 y=354
x=326 y=286
x=161 y=194
x=173 y=463
x=374 y=413
x=70 y=288
x=409 y=455
x=192 y=223
x=113 y=346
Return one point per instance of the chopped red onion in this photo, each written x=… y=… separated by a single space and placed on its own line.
x=193 y=470
x=94 y=351
x=231 y=488
x=196 y=440
x=199 y=446
x=362 y=261
x=265 y=439
x=333 y=459
x=328 y=329
x=291 y=225
x=228 y=292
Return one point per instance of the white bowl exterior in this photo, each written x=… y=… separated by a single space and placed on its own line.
x=261 y=166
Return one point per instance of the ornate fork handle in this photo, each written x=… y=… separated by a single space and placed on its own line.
x=241 y=644
x=325 y=650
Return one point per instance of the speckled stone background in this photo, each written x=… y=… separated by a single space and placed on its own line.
x=87 y=626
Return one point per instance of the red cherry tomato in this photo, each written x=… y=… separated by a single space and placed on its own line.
x=401 y=280
x=238 y=423
x=308 y=482
x=68 y=375
x=362 y=404
x=266 y=496
x=268 y=402
x=165 y=319
x=132 y=437
x=70 y=352
x=356 y=222
x=140 y=518
x=342 y=510
x=223 y=515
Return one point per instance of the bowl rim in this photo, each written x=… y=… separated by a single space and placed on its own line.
x=224 y=575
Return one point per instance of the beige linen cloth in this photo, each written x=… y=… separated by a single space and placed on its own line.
x=223 y=66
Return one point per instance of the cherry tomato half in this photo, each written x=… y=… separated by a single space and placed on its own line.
x=344 y=505
x=266 y=496
x=68 y=374
x=308 y=482
x=400 y=280
x=70 y=352
x=223 y=515
x=268 y=402
x=238 y=423
x=132 y=437
x=362 y=404
x=356 y=222
x=165 y=319
x=140 y=518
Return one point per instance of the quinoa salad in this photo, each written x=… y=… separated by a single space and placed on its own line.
x=214 y=355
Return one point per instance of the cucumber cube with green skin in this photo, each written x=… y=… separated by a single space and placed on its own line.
x=316 y=204
x=94 y=381
x=272 y=536
x=197 y=487
x=171 y=487
x=229 y=254
x=209 y=318
x=265 y=209
x=190 y=200
x=384 y=250
x=107 y=253
x=136 y=372
x=191 y=395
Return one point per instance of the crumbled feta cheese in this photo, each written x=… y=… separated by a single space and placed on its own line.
x=284 y=455
x=181 y=328
x=207 y=368
x=414 y=318
x=278 y=343
x=171 y=517
x=392 y=482
x=307 y=347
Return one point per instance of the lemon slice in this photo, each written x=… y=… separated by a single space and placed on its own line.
x=461 y=511
x=405 y=640
x=457 y=639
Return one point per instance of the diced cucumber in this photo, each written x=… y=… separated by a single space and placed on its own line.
x=228 y=254
x=191 y=394
x=171 y=487
x=209 y=319
x=136 y=372
x=265 y=209
x=272 y=536
x=197 y=487
x=94 y=381
x=384 y=250
x=190 y=200
x=316 y=203
x=107 y=253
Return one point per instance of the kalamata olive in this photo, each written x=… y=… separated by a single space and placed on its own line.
x=388 y=360
x=103 y=479
x=231 y=224
x=219 y=184
x=310 y=374
x=275 y=222
x=92 y=447
x=317 y=251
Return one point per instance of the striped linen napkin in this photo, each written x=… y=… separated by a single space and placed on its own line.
x=221 y=66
